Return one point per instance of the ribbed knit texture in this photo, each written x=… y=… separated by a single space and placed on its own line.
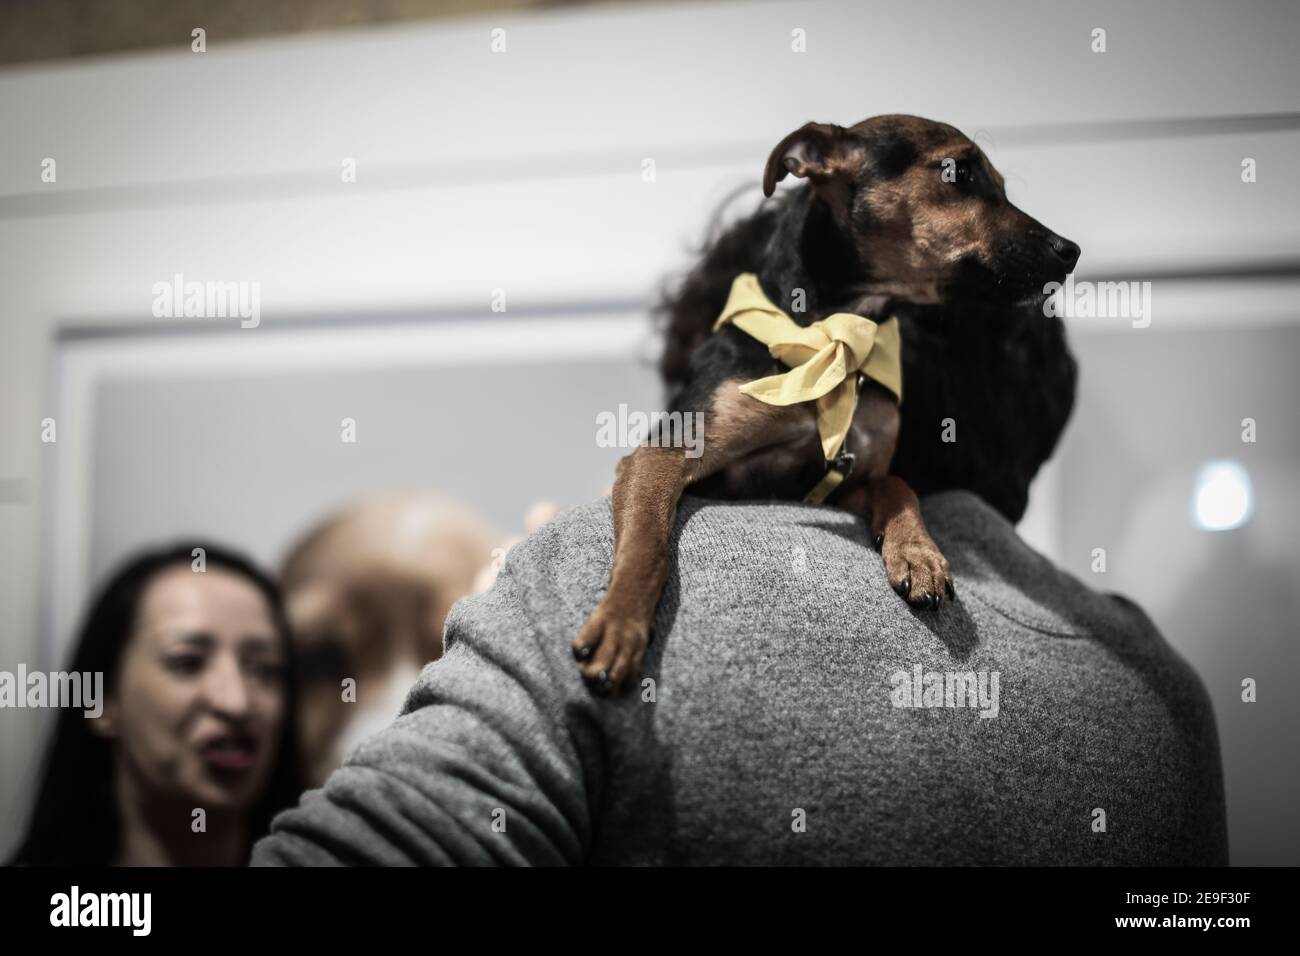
x=773 y=735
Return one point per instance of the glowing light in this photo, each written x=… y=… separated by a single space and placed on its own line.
x=1223 y=498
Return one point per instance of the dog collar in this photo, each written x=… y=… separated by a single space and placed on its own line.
x=824 y=360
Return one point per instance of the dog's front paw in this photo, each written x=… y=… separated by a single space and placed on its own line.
x=610 y=648
x=917 y=569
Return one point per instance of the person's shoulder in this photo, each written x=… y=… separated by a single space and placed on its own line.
x=574 y=550
x=548 y=579
x=577 y=541
x=1029 y=594
x=1009 y=574
x=571 y=528
x=567 y=560
x=586 y=531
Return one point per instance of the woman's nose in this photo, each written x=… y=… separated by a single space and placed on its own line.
x=226 y=687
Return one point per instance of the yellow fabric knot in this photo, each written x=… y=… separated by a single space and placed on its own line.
x=824 y=357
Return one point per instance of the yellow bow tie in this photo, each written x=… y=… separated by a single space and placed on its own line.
x=823 y=357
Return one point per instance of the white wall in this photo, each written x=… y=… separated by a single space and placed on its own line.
x=522 y=171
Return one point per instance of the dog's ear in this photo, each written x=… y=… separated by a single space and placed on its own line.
x=827 y=155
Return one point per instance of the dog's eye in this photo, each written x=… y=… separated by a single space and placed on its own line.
x=959 y=172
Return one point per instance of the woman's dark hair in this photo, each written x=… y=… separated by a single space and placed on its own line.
x=75 y=820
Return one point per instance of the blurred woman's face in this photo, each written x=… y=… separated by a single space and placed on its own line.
x=200 y=695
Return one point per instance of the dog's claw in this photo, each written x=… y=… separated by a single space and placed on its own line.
x=880 y=540
x=915 y=567
x=952 y=591
x=614 y=642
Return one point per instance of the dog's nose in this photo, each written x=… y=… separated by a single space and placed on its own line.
x=1065 y=250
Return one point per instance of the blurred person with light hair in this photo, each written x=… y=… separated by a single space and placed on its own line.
x=367 y=590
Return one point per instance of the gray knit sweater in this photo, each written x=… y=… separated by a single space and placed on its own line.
x=793 y=710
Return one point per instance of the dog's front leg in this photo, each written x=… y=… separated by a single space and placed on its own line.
x=649 y=483
x=914 y=564
x=647 y=487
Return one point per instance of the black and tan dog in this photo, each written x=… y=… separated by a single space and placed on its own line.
x=900 y=217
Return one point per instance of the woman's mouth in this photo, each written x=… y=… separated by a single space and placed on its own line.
x=229 y=753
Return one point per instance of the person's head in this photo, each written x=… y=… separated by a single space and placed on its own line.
x=198 y=707
x=366 y=592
